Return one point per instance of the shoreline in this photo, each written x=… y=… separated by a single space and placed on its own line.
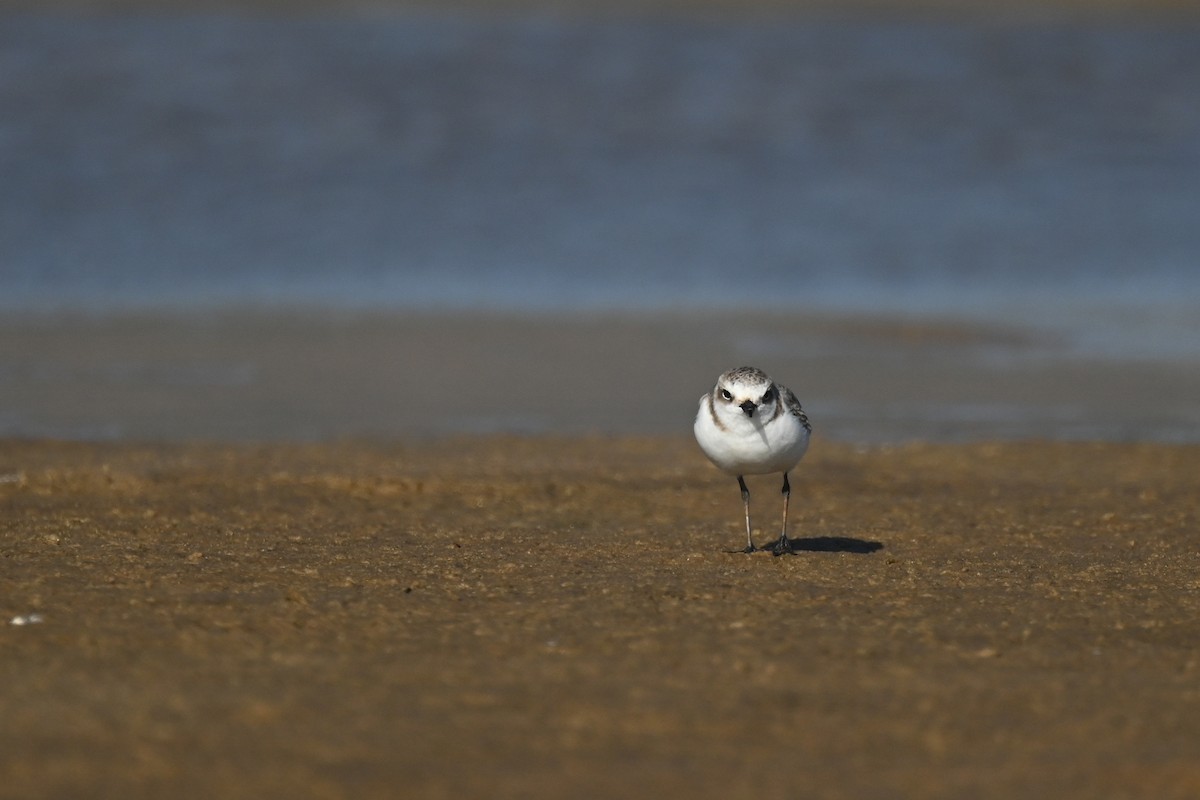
x=559 y=613
x=279 y=376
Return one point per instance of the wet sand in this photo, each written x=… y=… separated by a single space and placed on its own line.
x=284 y=376
x=554 y=617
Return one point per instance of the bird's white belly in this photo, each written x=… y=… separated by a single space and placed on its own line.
x=750 y=448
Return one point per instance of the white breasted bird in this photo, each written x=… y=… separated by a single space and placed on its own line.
x=750 y=425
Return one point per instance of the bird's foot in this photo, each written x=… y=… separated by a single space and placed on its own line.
x=780 y=546
x=747 y=549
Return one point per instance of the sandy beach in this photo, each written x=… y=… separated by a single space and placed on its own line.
x=550 y=617
x=345 y=437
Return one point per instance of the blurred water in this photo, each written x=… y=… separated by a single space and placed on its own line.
x=539 y=162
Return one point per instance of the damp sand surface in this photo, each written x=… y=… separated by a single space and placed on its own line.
x=254 y=375
x=558 y=616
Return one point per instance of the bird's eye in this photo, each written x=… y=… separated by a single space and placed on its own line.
x=726 y=395
x=768 y=395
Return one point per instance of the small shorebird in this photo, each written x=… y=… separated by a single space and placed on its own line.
x=750 y=425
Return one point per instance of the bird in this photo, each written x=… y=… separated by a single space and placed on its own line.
x=750 y=425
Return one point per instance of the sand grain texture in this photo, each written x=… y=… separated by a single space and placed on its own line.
x=509 y=617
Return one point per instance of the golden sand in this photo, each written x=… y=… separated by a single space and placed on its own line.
x=509 y=617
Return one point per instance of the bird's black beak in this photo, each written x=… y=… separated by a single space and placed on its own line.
x=748 y=407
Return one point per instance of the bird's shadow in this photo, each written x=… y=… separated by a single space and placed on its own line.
x=835 y=544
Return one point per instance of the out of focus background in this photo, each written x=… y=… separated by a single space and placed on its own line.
x=267 y=221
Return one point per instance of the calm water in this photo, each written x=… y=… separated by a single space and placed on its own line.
x=536 y=162
x=1046 y=175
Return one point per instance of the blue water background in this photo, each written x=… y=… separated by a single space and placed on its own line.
x=1037 y=172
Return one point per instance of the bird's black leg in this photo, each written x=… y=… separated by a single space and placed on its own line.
x=783 y=544
x=750 y=548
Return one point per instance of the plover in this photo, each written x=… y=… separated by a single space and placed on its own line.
x=750 y=425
